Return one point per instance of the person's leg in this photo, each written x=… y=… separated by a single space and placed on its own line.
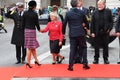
x=61 y=58
x=18 y=54
x=79 y=58
x=34 y=55
x=23 y=54
x=29 y=52
x=83 y=47
x=105 y=48
x=73 y=48
x=96 y=47
x=54 y=58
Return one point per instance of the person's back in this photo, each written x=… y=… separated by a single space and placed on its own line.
x=31 y=19
x=75 y=18
x=75 y=22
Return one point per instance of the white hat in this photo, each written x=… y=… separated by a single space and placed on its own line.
x=19 y=4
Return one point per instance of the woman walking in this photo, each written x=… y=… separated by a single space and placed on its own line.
x=30 y=23
x=55 y=35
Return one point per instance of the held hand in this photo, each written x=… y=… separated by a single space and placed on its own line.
x=118 y=34
x=40 y=30
x=93 y=35
x=60 y=43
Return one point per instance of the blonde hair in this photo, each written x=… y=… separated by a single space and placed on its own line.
x=54 y=14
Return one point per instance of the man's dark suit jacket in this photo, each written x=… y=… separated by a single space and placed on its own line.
x=75 y=19
x=108 y=21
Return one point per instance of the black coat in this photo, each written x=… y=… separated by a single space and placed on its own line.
x=95 y=19
x=117 y=27
x=18 y=30
x=75 y=19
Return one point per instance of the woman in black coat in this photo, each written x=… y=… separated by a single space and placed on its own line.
x=31 y=23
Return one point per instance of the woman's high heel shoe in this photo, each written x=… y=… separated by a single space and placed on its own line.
x=37 y=63
x=61 y=60
x=27 y=64
x=54 y=62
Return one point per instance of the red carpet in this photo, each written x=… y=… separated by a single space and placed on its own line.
x=60 y=70
x=7 y=73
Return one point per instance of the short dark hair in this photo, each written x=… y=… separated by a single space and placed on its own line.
x=74 y=3
x=32 y=4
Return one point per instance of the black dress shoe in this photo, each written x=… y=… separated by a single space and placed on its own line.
x=95 y=62
x=18 y=62
x=70 y=69
x=23 y=62
x=106 y=62
x=85 y=66
x=118 y=62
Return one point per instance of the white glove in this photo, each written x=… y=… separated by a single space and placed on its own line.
x=13 y=8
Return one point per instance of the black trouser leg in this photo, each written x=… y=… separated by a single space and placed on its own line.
x=18 y=53
x=73 y=49
x=83 y=47
x=105 y=46
x=23 y=53
x=79 y=57
x=97 y=47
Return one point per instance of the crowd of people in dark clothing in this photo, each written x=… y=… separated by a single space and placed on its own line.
x=98 y=21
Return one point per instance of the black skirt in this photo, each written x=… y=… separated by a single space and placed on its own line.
x=54 y=46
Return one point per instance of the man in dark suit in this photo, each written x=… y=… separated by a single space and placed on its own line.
x=78 y=58
x=16 y=13
x=75 y=19
x=101 y=24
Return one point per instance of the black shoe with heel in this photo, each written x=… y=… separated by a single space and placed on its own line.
x=61 y=60
x=27 y=64
x=37 y=63
x=54 y=62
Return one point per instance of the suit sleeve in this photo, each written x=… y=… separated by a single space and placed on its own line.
x=37 y=22
x=117 y=27
x=64 y=24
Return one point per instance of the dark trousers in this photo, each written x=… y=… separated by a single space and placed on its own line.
x=101 y=41
x=18 y=53
x=76 y=42
x=79 y=58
